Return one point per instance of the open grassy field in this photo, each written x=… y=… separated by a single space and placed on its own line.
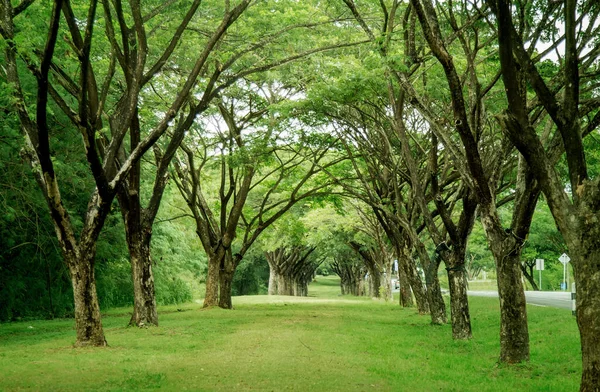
x=321 y=343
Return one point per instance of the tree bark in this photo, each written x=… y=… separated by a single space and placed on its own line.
x=212 y=282
x=226 y=279
x=405 y=262
x=528 y=274
x=144 y=306
x=88 y=323
x=374 y=283
x=459 y=303
x=506 y=248
x=587 y=278
x=272 y=280
x=437 y=306
x=406 y=299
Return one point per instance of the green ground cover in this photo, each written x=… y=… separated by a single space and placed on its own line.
x=321 y=343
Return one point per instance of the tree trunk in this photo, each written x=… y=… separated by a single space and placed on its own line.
x=418 y=290
x=226 y=279
x=144 y=305
x=405 y=293
x=459 y=302
x=529 y=275
x=405 y=262
x=514 y=333
x=88 y=323
x=374 y=283
x=437 y=305
x=587 y=279
x=389 y=296
x=360 y=287
x=272 y=280
x=212 y=282
x=506 y=248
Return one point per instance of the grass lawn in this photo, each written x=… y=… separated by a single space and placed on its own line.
x=321 y=343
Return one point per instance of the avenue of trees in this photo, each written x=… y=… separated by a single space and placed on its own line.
x=150 y=146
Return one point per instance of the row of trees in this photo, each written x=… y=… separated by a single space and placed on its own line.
x=428 y=116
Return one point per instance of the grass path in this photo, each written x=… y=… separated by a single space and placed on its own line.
x=321 y=343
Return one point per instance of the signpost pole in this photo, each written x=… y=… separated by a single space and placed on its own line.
x=539 y=264
x=564 y=258
x=565 y=275
x=573 y=300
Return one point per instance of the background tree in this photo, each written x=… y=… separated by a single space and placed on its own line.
x=263 y=173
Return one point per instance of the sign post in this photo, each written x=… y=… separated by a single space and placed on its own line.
x=573 y=300
x=539 y=265
x=565 y=260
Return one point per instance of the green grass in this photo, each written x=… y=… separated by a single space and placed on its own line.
x=321 y=343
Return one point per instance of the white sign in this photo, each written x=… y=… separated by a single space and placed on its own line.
x=395 y=265
x=539 y=264
x=564 y=258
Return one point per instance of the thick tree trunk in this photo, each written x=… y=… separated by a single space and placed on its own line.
x=374 y=283
x=457 y=282
x=418 y=290
x=88 y=323
x=226 y=279
x=138 y=233
x=584 y=250
x=514 y=333
x=437 y=305
x=212 y=282
x=588 y=313
x=459 y=303
x=389 y=296
x=360 y=287
x=284 y=286
x=405 y=262
x=144 y=305
x=272 y=281
x=406 y=299
x=506 y=249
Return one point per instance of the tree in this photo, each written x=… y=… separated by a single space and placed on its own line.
x=262 y=174
x=577 y=210
x=74 y=88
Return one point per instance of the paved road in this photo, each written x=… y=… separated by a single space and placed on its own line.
x=555 y=299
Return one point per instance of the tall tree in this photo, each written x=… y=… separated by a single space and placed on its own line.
x=575 y=208
x=82 y=92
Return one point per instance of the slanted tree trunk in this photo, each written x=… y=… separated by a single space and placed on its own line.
x=405 y=261
x=437 y=306
x=527 y=269
x=88 y=323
